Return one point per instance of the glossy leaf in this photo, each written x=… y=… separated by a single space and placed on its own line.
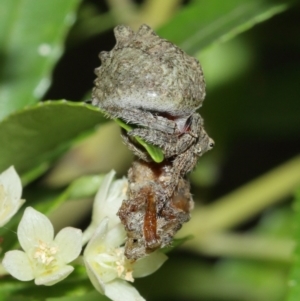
x=81 y=188
x=177 y=242
x=32 y=35
x=74 y=288
x=38 y=134
x=206 y=22
x=154 y=151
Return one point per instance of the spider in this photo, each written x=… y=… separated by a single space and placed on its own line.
x=148 y=81
x=183 y=147
x=150 y=218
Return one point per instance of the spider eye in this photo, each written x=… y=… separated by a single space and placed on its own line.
x=211 y=143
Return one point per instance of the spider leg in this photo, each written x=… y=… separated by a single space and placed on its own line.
x=135 y=149
x=142 y=118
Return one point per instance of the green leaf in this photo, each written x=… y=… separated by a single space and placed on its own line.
x=177 y=242
x=155 y=152
x=206 y=22
x=32 y=34
x=83 y=187
x=91 y=296
x=36 y=135
x=75 y=285
x=193 y=278
x=260 y=281
x=294 y=277
x=89 y=23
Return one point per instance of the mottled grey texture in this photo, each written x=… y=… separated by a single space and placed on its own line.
x=148 y=81
x=151 y=219
x=147 y=72
x=183 y=148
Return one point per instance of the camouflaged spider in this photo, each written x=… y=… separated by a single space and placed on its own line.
x=148 y=81
x=150 y=219
x=183 y=148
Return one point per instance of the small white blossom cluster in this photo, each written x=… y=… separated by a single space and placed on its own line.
x=46 y=258
x=10 y=195
x=108 y=268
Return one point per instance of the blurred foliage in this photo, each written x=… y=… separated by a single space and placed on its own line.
x=249 y=49
x=294 y=276
x=30 y=47
x=38 y=141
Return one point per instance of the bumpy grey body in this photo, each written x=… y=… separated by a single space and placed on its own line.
x=148 y=81
x=147 y=72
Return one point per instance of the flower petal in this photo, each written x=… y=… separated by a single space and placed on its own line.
x=8 y=210
x=33 y=228
x=10 y=194
x=88 y=232
x=102 y=193
x=97 y=238
x=100 y=209
x=69 y=241
x=58 y=275
x=12 y=183
x=118 y=190
x=120 y=290
x=108 y=199
x=115 y=236
x=149 y=264
x=94 y=277
x=18 y=265
x=107 y=202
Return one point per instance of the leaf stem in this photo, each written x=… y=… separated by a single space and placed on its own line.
x=156 y=12
x=243 y=246
x=247 y=201
x=124 y=11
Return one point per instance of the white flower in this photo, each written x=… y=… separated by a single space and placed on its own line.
x=45 y=258
x=107 y=202
x=10 y=195
x=108 y=268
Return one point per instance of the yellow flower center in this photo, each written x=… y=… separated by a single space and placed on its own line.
x=123 y=266
x=111 y=263
x=45 y=254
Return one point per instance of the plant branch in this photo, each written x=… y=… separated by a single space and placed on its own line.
x=124 y=11
x=251 y=246
x=156 y=12
x=247 y=201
